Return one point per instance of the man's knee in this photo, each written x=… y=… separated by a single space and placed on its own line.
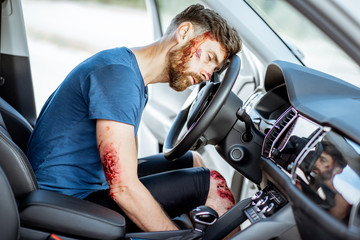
x=197 y=160
x=220 y=197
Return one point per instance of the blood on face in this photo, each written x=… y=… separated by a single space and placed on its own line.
x=194 y=48
x=198 y=53
x=222 y=189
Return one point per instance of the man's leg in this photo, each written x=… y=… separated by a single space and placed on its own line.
x=220 y=197
x=194 y=186
x=158 y=163
x=197 y=160
x=177 y=192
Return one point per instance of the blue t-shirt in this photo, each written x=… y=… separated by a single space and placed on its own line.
x=62 y=148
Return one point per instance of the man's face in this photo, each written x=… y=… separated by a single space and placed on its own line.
x=195 y=61
x=324 y=166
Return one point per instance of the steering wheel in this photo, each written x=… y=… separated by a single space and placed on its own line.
x=198 y=111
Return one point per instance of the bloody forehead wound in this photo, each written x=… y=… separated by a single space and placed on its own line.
x=193 y=48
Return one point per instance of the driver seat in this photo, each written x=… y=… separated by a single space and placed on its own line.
x=15 y=131
x=41 y=212
x=9 y=217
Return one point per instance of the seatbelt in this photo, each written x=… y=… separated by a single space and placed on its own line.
x=53 y=237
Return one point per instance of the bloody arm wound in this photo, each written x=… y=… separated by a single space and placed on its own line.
x=117 y=149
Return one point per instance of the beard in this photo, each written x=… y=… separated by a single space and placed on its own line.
x=179 y=78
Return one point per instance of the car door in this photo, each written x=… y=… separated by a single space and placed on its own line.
x=15 y=75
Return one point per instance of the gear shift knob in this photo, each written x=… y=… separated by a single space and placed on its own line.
x=202 y=217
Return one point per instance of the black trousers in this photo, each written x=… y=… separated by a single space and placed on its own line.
x=176 y=186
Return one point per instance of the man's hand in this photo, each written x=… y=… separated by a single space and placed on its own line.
x=117 y=148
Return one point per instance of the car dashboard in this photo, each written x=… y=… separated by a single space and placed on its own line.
x=310 y=157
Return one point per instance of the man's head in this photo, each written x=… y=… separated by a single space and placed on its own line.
x=330 y=162
x=205 y=44
x=324 y=166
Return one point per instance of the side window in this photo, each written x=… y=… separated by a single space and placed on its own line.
x=312 y=46
x=62 y=34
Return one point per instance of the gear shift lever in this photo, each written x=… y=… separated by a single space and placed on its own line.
x=202 y=217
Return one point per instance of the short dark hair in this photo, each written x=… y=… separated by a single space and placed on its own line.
x=207 y=20
x=330 y=149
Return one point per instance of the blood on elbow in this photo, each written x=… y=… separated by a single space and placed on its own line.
x=110 y=162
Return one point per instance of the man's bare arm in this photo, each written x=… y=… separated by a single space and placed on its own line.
x=117 y=148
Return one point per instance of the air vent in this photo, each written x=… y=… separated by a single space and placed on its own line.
x=279 y=127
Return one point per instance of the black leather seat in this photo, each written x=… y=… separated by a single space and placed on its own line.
x=13 y=159
x=9 y=216
x=17 y=126
x=41 y=212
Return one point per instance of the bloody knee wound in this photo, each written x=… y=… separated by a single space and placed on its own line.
x=222 y=189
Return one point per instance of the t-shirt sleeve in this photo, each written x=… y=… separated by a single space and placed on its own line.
x=114 y=94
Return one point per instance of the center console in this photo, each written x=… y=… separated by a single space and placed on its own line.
x=265 y=203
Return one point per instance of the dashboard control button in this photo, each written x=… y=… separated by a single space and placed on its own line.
x=269 y=210
x=262 y=202
x=237 y=154
x=257 y=196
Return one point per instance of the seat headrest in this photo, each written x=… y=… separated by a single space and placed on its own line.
x=15 y=132
x=17 y=126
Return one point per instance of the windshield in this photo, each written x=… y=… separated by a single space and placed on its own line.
x=306 y=41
